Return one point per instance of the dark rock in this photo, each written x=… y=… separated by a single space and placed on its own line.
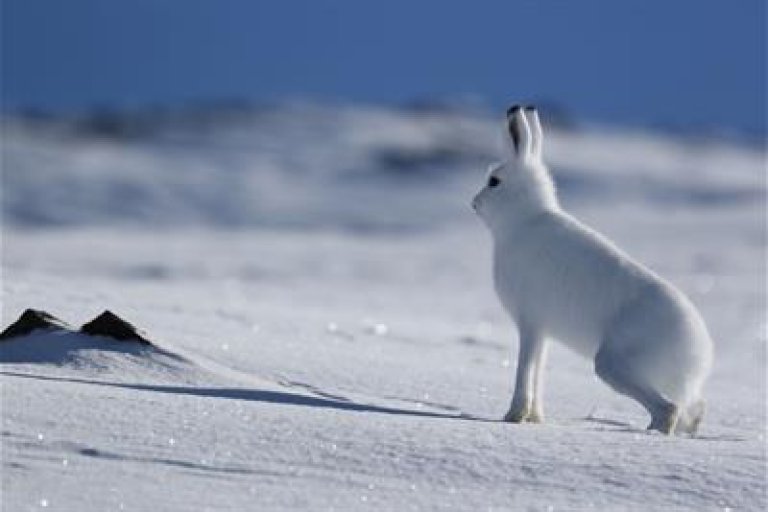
x=112 y=326
x=32 y=320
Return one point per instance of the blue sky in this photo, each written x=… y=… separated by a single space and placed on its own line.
x=676 y=62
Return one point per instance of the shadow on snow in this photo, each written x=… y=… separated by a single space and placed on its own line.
x=255 y=395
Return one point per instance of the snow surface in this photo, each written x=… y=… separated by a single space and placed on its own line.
x=320 y=294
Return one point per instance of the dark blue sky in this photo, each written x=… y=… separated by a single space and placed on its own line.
x=672 y=62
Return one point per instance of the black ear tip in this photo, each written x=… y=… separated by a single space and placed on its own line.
x=514 y=109
x=530 y=108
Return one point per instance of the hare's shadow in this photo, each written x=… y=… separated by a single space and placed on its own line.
x=61 y=347
x=256 y=395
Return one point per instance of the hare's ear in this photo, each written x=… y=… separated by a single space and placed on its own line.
x=519 y=133
x=537 y=135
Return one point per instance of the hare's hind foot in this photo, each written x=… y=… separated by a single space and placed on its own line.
x=692 y=417
x=666 y=419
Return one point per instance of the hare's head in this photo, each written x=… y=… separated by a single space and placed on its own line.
x=520 y=186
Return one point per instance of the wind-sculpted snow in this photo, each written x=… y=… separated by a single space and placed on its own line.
x=333 y=371
x=349 y=366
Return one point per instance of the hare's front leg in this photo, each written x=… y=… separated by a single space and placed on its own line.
x=531 y=350
x=537 y=412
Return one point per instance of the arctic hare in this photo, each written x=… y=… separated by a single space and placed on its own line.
x=558 y=278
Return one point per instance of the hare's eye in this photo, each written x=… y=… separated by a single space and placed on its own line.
x=493 y=181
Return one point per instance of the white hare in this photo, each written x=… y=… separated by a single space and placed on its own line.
x=559 y=279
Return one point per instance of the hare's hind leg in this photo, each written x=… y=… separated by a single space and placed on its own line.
x=618 y=374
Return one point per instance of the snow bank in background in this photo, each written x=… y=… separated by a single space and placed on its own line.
x=313 y=166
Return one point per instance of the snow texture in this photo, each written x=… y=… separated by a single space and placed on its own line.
x=329 y=339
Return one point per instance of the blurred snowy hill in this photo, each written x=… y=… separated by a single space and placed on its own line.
x=341 y=166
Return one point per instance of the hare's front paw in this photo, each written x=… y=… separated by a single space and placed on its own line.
x=523 y=415
x=535 y=416
x=517 y=415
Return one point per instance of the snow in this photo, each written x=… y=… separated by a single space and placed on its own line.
x=328 y=339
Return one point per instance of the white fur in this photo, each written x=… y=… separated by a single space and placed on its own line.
x=560 y=279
